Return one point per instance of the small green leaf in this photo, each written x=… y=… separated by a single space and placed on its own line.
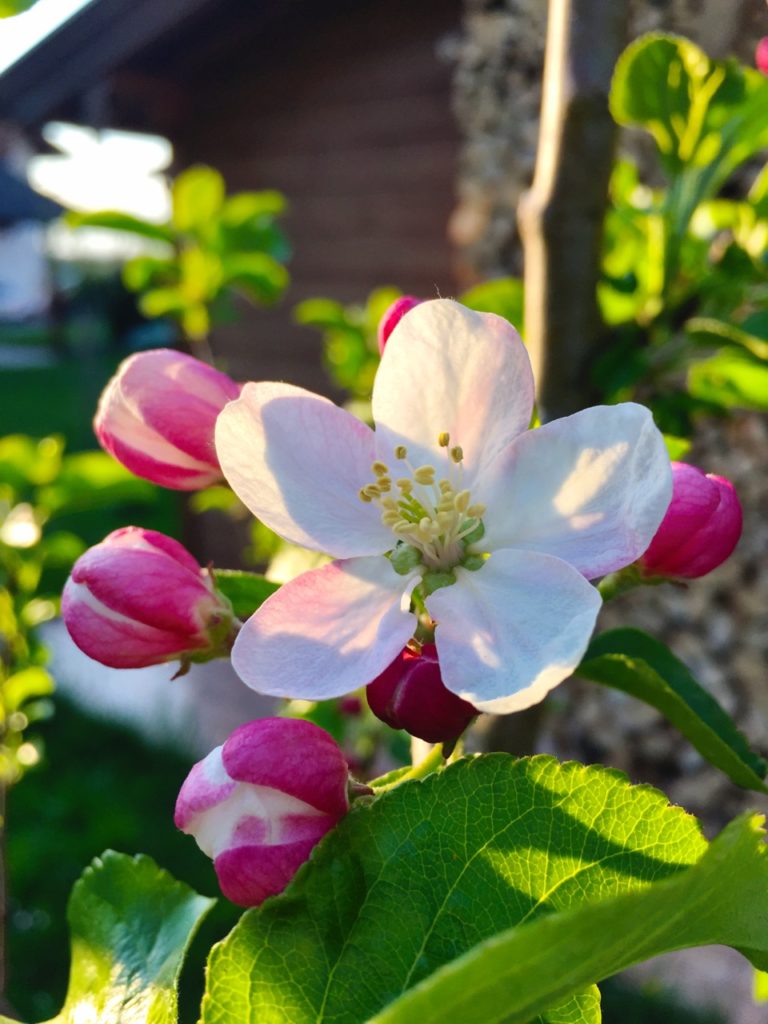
x=503 y=296
x=635 y=663
x=117 y=221
x=245 y=590
x=722 y=899
x=431 y=869
x=731 y=379
x=131 y=924
x=198 y=196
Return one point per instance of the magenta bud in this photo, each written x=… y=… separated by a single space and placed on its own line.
x=410 y=695
x=157 y=416
x=139 y=598
x=259 y=804
x=761 y=55
x=394 y=315
x=700 y=528
x=350 y=707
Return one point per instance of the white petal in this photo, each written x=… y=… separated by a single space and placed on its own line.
x=298 y=461
x=511 y=631
x=327 y=632
x=591 y=489
x=448 y=368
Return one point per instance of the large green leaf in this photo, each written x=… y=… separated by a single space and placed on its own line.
x=731 y=379
x=430 y=870
x=131 y=924
x=631 y=661
x=115 y=220
x=245 y=590
x=722 y=899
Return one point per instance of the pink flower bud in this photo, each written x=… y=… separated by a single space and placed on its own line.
x=157 y=417
x=259 y=804
x=139 y=598
x=410 y=695
x=700 y=528
x=394 y=315
x=761 y=55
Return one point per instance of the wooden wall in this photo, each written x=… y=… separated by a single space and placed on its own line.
x=350 y=116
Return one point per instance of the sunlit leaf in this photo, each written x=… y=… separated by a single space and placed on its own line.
x=245 y=590
x=731 y=379
x=198 y=195
x=118 y=221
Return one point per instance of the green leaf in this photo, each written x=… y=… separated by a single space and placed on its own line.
x=24 y=685
x=431 y=869
x=711 y=330
x=245 y=590
x=243 y=207
x=117 y=221
x=131 y=924
x=92 y=480
x=677 y=447
x=635 y=663
x=198 y=196
x=258 y=274
x=9 y=8
x=722 y=899
x=325 y=314
x=731 y=379
x=503 y=296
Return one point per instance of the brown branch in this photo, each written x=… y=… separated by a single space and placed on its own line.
x=561 y=216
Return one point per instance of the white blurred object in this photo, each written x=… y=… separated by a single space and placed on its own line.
x=192 y=714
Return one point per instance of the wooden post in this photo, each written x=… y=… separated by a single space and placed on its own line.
x=560 y=217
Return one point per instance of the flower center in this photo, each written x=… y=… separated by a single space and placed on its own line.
x=433 y=515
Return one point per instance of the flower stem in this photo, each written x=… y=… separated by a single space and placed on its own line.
x=620 y=582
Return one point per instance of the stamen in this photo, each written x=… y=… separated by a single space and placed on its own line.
x=444 y=439
x=476 y=511
x=364 y=496
x=405 y=485
x=457 y=453
x=401 y=452
x=424 y=475
x=380 y=468
x=461 y=501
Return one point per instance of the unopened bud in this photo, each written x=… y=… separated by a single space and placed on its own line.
x=259 y=804
x=761 y=55
x=411 y=695
x=700 y=528
x=157 y=416
x=139 y=598
x=393 y=315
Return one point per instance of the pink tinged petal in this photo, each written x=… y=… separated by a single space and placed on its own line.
x=115 y=640
x=250 y=874
x=296 y=757
x=448 y=368
x=327 y=632
x=511 y=631
x=590 y=489
x=148 y=540
x=701 y=528
x=761 y=55
x=298 y=462
x=206 y=785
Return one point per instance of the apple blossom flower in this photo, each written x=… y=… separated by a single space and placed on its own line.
x=700 y=529
x=157 y=415
x=259 y=804
x=761 y=55
x=139 y=598
x=410 y=694
x=452 y=511
x=393 y=315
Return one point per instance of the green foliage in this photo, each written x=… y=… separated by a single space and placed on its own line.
x=720 y=899
x=8 y=8
x=216 y=247
x=433 y=869
x=245 y=590
x=631 y=661
x=683 y=266
x=131 y=924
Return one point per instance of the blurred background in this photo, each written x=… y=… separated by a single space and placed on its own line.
x=255 y=183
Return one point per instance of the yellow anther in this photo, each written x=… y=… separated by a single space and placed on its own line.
x=424 y=475
x=445 y=518
x=445 y=486
x=401 y=452
x=390 y=517
x=476 y=511
x=384 y=483
x=461 y=501
x=372 y=490
x=444 y=439
x=389 y=503
x=364 y=496
x=380 y=468
x=405 y=484
x=457 y=453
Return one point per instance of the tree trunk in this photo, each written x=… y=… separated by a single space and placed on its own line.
x=561 y=216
